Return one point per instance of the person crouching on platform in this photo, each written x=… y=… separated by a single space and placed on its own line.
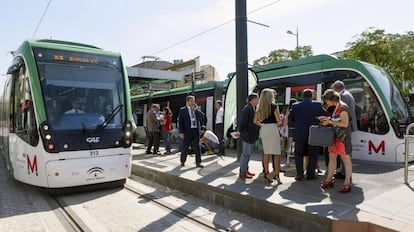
x=209 y=140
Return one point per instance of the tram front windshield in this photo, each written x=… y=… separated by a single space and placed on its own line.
x=391 y=93
x=81 y=91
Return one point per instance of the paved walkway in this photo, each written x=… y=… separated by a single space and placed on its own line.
x=378 y=197
x=23 y=207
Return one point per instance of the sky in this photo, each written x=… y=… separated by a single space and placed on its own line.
x=138 y=28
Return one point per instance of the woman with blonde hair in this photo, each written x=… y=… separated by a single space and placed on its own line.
x=267 y=117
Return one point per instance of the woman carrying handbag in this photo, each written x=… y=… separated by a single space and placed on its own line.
x=342 y=146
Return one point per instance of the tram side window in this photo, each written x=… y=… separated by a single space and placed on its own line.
x=369 y=113
x=24 y=124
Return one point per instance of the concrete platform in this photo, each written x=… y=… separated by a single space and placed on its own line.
x=379 y=201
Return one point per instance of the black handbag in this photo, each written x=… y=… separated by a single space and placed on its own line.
x=321 y=136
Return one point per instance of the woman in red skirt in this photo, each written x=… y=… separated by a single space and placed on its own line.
x=342 y=146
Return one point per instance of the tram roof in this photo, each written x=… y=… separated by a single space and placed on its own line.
x=267 y=70
x=67 y=45
x=308 y=65
x=175 y=91
x=295 y=63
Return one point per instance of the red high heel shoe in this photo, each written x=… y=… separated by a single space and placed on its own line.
x=328 y=184
x=345 y=188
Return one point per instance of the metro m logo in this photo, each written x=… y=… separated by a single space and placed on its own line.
x=31 y=167
x=381 y=147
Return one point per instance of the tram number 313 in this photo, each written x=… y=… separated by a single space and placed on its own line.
x=94 y=153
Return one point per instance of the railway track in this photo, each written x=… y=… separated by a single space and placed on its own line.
x=76 y=215
x=70 y=220
x=178 y=211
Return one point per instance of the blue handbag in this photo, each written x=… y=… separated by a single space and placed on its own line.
x=321 y=136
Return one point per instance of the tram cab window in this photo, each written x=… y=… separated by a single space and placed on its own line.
x=24 y=123
x=98 y=90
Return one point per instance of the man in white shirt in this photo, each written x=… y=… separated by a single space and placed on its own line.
x=219 y=124
x=209 y=139
x=75 y=108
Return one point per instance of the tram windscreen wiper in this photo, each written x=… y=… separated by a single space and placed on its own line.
x=109 y=118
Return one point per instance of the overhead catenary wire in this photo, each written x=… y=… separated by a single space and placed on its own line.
x=41 y=18
x=210 y=29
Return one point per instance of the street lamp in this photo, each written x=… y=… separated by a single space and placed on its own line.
x=295 y=34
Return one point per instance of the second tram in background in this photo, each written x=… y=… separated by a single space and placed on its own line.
x=206 y=94
x=66 y=115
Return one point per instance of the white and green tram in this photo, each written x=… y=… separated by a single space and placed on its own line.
x=65 y=115
x=382 y=113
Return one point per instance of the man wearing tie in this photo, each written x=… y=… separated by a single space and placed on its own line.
x=189 y=127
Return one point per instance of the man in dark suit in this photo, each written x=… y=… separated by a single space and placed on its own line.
x=189 y=127
x=303 y=115
x=249 y=133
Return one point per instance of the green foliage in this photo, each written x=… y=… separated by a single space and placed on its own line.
x=284 y=54
x=394 y=52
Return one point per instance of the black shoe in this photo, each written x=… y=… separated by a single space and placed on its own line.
x=182 y=164
x=148 y=152
x=339 y=176
x=156 y=153
x=267 y=178
x=299 y=177
x=199 y=166
x=277 y=178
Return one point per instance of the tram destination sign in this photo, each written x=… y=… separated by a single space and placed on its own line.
x=61 y=56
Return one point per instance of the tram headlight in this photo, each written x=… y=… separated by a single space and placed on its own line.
x=48 y=137
x=128 y=134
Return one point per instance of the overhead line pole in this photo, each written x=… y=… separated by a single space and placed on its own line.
x=241 y=62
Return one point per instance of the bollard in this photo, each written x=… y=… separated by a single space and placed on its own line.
x=407 y=138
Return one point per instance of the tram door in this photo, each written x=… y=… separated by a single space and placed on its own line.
x=296 y=92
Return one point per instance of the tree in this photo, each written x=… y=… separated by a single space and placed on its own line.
x=394 y=52
x=284 y=54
